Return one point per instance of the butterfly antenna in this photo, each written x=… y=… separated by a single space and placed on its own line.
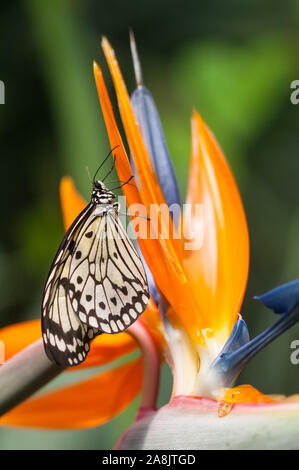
x=105 y=159
x=123 y=184
x=120 y=181
x=89 y=177
x=114 y=158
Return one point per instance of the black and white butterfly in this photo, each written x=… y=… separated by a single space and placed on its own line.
x=96 y=284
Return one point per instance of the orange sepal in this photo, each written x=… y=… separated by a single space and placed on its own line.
x=89 y=403
x=219 y=268
x=71 y=201
x=18 y=336
x=104 y=348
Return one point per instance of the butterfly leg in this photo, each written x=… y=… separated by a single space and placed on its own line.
x=133 y=215
x=116 y=206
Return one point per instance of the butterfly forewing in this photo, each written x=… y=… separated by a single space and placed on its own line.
x=110 y=286
x=124 y=279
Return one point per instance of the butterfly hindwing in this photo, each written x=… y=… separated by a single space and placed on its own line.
x=82 y=270
x=66 y=338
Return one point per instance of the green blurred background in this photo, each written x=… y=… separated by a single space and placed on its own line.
x=232 y=61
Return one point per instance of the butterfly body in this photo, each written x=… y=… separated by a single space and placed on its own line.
x=97 y=283
x=101 y=195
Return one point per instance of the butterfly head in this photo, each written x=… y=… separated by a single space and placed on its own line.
x=100 y=194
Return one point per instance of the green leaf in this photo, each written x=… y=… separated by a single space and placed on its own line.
x=238 y=89
x=68 y=75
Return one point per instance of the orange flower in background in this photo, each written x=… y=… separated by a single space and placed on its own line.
x=192 y=319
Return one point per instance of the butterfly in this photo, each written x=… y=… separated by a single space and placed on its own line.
x=96 y=284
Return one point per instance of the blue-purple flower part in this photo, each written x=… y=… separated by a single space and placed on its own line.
x=151 y=129
x=229 y=363
x=281 y=299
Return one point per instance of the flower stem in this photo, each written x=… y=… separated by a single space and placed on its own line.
x=24 y=374
x=151 y=364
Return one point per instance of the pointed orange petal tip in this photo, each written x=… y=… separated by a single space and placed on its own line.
x=71 y=201
x=96 y=68
x=105 y=43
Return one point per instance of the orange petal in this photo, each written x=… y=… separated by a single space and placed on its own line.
x=152 y=194
x=121 y=162
x=104 y=348
x=219 y=268
x=71 y=201
x=107 y=348
x=150 y=188
x=160 y=254
x=86 y=404
x=19 y=335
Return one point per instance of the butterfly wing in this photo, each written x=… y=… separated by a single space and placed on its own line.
x=114 y=292
x=96 y=284
x=66 y=338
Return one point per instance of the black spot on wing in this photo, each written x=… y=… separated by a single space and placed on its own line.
x=71 y=246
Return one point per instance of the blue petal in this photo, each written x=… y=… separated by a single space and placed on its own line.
x=238 y=337
x=281 y=299
x=232 y=359
x=225 y=363
x=151 y=129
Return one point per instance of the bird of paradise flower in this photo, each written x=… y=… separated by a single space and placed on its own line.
x=192 y=320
